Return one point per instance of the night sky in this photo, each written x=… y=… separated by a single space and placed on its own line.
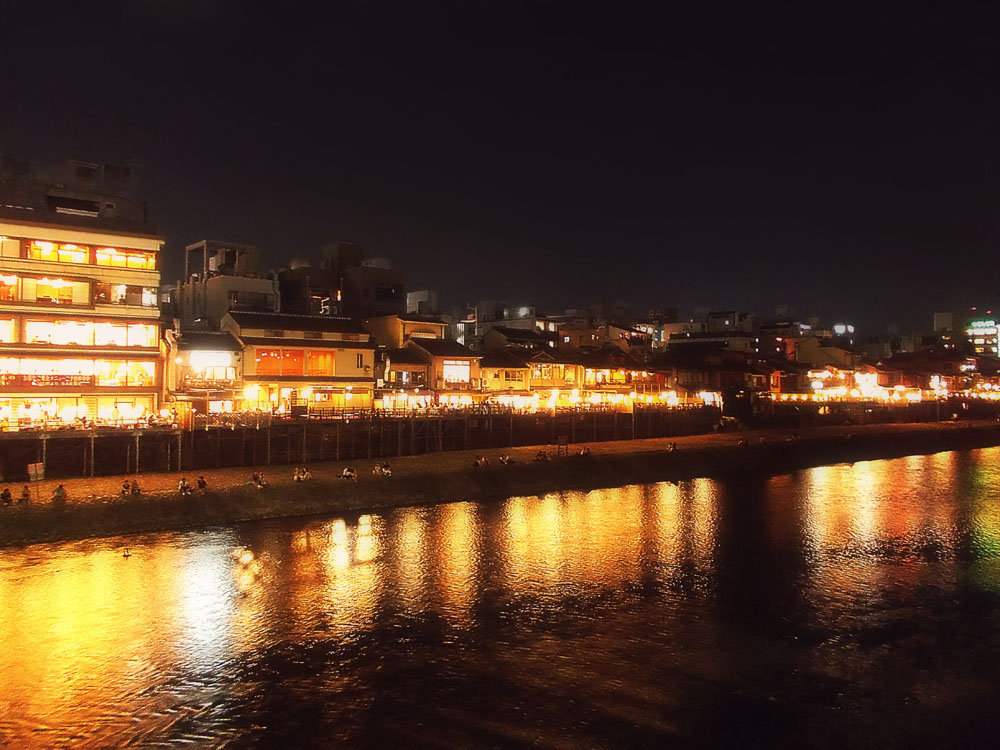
x=840 y=160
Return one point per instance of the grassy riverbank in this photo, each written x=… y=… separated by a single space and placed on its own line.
x=94 y=507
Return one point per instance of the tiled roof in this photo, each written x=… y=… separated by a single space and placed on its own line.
x=304 y=343
x=443 y=348
x=288 y=322
x=404 y=357
x=504 y=359
x=217 y=341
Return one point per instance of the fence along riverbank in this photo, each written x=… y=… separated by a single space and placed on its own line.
x=79 y=453
x=248 y=440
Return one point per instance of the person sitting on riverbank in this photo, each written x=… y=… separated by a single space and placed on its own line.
x=134 y=488
x=59 y=495
x=584 y=452
x=386 y=471
x=481 y=462
x=542 y=457
x=25 y=497
x=202 y=484
x=183 y=487
x=349 y=473
x=377 y=470
x=125 y=487
x=671 y=446
x=306 y=475
x=505 y=459
x=297 y=474
x=261 y=482
x=6 y=498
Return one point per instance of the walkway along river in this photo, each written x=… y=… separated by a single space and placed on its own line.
x=96 y=508
x=846 y=605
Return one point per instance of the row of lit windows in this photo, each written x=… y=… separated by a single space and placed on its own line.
x=57 y=291
x=67 y=252
x=25 y=371
x=79 y=333
x=292 y=361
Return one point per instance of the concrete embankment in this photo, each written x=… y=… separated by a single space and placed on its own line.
x=95 y=509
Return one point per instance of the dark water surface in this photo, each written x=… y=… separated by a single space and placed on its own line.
x=845 y=605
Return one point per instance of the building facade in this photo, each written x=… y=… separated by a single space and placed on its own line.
x=79 y=315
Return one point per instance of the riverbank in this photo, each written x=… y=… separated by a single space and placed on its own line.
x=95 y=508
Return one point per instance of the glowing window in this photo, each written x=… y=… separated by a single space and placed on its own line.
x=139 y=259
x=59 y=332
x=292 y=361
x=7 y=330
x=141 y=373
x=54 y=291
x=111 y=334
x=457 y=371
x=9 y=288
x=142 y=334
x=58 y=252
x=268 y=362
x=320 y=363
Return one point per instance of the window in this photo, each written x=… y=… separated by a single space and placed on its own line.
x=56 y=291
x=142 y=260
x=268 y=362
x=142 y=334
x=7 y=330
x=9 y=288
x=280 y=361
x=124 y=294
x=292 y=361
x=58 y=252
x=59 y=332
x=456 y=371
x=10 y=247
x=360 y=363
x=111 y=334
x=513 y=376
x=320 y=363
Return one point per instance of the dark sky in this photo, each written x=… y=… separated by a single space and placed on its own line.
x=842 y=159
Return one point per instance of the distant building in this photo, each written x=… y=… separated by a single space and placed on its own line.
x=423 y=302
x=221 y=277
x=369 y=286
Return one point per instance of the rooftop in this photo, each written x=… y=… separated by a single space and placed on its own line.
x=443 y=348
x=289 y=322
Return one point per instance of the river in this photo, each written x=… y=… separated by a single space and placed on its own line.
x=853 y=605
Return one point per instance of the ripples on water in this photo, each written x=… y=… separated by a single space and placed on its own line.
x=843 y=604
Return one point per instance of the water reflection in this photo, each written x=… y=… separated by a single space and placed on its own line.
x=182 y=635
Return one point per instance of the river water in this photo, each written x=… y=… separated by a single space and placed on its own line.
x=852 y=605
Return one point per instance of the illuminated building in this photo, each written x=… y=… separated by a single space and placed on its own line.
x=203 y=368
x=453 y=370
x=302 y=364
x=79 y=276
x=971 y=331
x=504 y=372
